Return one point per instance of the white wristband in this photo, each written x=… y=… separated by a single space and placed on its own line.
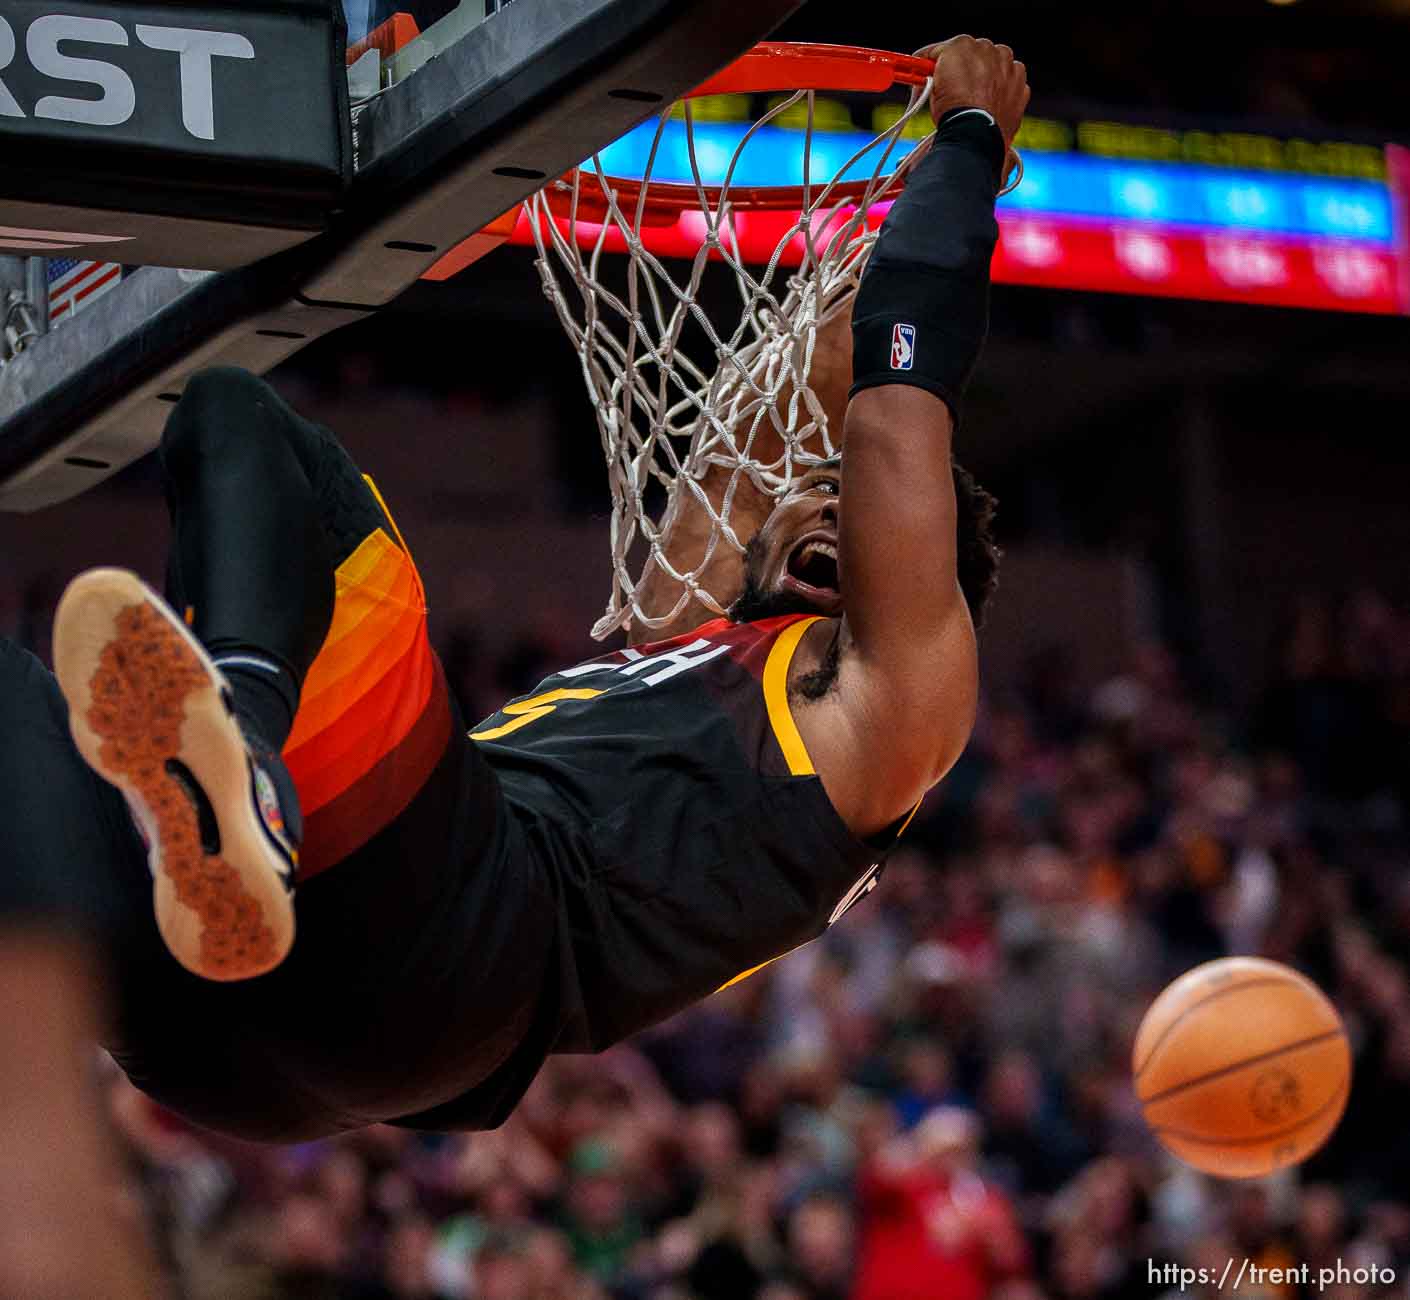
x=983 y=112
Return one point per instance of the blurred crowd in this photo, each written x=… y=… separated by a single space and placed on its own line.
x=933 y=1102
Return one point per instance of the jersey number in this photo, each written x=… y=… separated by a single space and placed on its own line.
x=532 y=709
x=658 y=668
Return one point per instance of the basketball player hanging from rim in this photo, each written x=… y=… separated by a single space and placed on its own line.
x=641 y=830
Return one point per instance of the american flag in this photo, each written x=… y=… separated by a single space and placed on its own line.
x=74 y=284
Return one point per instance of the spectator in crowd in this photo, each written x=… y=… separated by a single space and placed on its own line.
x=931 y=1222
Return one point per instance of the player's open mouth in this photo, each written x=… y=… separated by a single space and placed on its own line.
x=812 y=569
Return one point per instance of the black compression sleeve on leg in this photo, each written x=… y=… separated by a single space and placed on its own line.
x=922 y=310
x=249 y=553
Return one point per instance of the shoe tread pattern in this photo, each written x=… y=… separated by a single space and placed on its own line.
x=144 y=675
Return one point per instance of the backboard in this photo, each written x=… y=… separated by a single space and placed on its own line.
x=488 y=105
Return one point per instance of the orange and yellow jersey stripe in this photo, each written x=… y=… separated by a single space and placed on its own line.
x=374 y=717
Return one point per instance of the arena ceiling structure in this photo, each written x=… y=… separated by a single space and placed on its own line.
x=224 y=140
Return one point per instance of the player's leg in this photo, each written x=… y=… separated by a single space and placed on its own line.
x=250 y=565
x=197 y=760
x=303 y=592
x=425 y=926
x=68 y=853
x=425 y=921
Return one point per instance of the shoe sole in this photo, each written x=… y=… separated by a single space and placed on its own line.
x=148 y=712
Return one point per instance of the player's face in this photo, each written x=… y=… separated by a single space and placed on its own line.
x=791 y=564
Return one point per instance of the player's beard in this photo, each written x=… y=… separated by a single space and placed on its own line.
x=754 y=601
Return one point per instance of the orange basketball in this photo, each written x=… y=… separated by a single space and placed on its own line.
x=1242 y=1067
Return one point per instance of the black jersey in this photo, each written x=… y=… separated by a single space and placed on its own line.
x=671 y=787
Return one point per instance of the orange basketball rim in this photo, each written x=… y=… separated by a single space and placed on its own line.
x=771 y=67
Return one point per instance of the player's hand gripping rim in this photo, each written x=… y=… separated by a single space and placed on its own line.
x=972 y=72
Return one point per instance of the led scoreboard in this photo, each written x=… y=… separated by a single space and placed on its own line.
x=1105 y=206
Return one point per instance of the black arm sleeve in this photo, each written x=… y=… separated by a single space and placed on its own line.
x=922 y=310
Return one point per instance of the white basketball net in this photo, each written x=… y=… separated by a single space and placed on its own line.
x=668 y=418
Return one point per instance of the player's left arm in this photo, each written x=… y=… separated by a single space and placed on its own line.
x=907 y=679
x=908 y=675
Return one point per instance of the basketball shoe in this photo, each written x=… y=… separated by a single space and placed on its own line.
x=152 y=714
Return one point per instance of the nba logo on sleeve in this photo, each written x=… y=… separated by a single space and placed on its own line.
x=903 y=346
